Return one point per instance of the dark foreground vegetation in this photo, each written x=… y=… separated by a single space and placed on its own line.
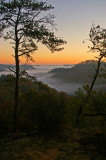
x=49 y=126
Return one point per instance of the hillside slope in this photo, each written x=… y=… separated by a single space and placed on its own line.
x=80 y=73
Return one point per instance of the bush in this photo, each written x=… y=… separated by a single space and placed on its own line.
x=6 y=117
x=45 y=111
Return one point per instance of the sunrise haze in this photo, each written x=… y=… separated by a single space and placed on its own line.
x=74 y=19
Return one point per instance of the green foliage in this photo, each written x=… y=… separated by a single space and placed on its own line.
x=95 y=109
x=7 y=81
x=40 y=108
x=46 y=111
x=6 y=118
x=89 y=111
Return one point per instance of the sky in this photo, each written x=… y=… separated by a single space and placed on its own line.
x=74 y=19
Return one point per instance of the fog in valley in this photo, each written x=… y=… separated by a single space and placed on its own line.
x=58 y=84
x=42 y=73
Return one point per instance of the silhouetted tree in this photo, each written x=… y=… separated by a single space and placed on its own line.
x=24 y=24
x=98 y=38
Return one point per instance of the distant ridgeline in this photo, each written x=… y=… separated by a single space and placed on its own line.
x=81 y=73
x=5 y=67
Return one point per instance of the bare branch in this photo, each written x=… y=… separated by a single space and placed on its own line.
x=26 y=52
x=24 y=73
x=12 y=70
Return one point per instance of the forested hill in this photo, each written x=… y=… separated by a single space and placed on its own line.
x=5 y=67
x=80 y=73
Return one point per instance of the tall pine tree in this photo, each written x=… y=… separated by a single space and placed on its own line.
x=23 y=22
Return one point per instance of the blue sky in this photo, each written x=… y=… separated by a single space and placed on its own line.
x=74 y=19
x=79 y=14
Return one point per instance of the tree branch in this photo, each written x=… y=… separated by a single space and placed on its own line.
x=26 y=52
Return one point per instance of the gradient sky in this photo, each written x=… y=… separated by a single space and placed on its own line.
x=74 y=19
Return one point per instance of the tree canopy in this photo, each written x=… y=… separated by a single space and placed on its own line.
x=26 y=23
x=98 y=38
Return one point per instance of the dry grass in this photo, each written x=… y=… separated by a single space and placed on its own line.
x=33 y=148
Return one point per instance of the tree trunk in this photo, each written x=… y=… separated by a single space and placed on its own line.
x=91 y=88
x=15 y=120
x=16 y=94
x=96 y=75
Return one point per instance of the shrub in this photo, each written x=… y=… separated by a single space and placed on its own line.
x=45 y=111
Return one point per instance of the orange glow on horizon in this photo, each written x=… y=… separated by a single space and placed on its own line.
x=49 y=58
x=43 y=61
x=72 y=54
x=74 y=20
